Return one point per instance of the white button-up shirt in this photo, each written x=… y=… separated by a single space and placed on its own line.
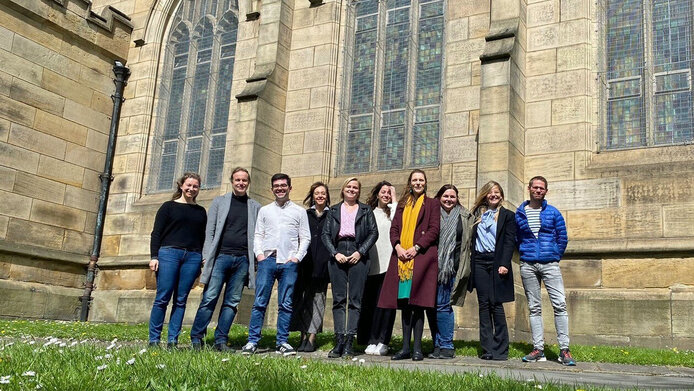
x=282 y=229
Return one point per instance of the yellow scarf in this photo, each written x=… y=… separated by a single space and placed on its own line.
x=409 y=224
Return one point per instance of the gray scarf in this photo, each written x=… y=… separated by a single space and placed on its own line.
x=449 y=225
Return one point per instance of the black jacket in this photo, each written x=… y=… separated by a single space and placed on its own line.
x=503 y=252
x=365 y=230
x=315 y=264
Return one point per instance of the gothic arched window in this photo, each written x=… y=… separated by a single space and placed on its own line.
x=194 y=93
x=392 y=91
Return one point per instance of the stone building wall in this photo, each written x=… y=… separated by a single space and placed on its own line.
x=520 y=98
x=55 y=107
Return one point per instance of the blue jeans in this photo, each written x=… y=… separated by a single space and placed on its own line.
x=445 y=319
x=268 y=271
x=229 y=270
x=178 y=270
x=533 y=274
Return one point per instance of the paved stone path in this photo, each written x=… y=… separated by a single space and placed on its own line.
x=594 y=374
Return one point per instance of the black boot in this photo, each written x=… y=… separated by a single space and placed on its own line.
x=336 y=352
x=349 y=346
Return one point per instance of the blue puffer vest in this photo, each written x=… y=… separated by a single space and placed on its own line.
x=551 y=241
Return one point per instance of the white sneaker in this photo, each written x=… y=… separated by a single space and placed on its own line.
x=381 y=350
x=370 y=350
x=285 y=349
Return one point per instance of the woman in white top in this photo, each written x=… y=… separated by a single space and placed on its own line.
x=376 y=324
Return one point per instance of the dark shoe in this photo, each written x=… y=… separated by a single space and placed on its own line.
x=566 y=358
x=153 y=345
x=349 y=346
x=447 y=353
x=436 y=353
x=196 y=345
x=302 y=346
x=486 y=356
x=339 y=347
x=285 y=349
x=309 y=347
x=401 y=355
x=535 y=355
x=417 y=356
x=222 y=347
x=172 y=345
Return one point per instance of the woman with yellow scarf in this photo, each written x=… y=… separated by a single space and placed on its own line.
x=410 y=282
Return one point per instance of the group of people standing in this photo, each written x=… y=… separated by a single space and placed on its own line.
x=418 y=254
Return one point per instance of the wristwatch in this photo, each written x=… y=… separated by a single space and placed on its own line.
x=416 y=247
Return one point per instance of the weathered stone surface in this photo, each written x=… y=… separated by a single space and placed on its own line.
x=4 y=222
x=306 y=120
x=45 y=272
x=16 y=111
x=456 y=124
x=585 y=194
x=574 y=31
x=15 y=205
x=463 y=99
x=541 y=62
x=457 y=29
x=134 y=245
x=570 y=110
x=556 y=85
x=573 y=57
x=85 y=116
x=542 y=13
x=122 y=279
x=538 y=114
x=545 y=37
x=36 y=187
x=79 y=198
x=37 y=97
x=20 y=68
x=84 y=157
x=79 y=242
x=677 y=220
x=35 y=234
x=643 y=222
x=60 y=127
x=560 y=138
x=38 y=301
x=661 y=189
x=682 y=309
x=459 y=149
x=4 y=129
x=60 y=171
x=554 y=167
x=618 y=312
x=44 y=57
x=653 y=272
x=36 y=141
x=582 y=273
x=298 y=99
x=58 y=215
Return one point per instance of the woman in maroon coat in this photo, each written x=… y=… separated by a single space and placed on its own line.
x=410 y=282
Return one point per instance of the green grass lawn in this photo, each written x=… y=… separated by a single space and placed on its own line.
x=238 y=335
x=25 y=366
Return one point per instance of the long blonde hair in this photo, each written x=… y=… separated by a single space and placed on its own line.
x=480 y=206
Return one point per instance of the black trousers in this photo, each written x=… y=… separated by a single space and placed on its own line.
x=375 y=324
x=493 y=328
x=347 y=280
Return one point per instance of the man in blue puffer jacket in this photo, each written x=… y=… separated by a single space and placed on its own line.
x=542 y=241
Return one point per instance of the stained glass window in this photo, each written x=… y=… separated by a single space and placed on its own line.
x=394 y=76
x=649 y=64
x=194 y=94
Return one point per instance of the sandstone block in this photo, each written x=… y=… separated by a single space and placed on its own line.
x=301 y=121
x=15 y=205
x=644 y=221
x=36 y=141
x=558 y=85
x=585 y=194
x=462 y=99
x=478 y=26
x=60 y=171
x=127 y=279
x=40 y=188
x=8 y=179
x=573 y=57
x=85 y=157
x=38 y=301
x=321 y=97
x=83 y=115
x=542 y=13
x=457 y=29
x=459 y=149
x=464 y=175
x=677 y=220
x=659 y=189
x=538 y=114
x=574 y=31
x=682 y=309
x=110 y=245
x=464 y=51
x=459 y=75
x=314 y=141
x=456 y=124
x=602 y=224
x=298 y=99
x=4 y=222
x=4 y=129
x=35 y=234
x=103 y=103
x=496 y=73
x=303 y=165
x=5 y=39
x=79 y=198
x=18 y=158
x=20 y=68
x=570 y=110
x=541 y=62
x=465 y=8
x=581 y=273
x=544 y=37
x=121 y=224
x=134 y=245
x=560 y=138
x=65 y=87
x=505 y=9
x=575 y=9
x=309 y=77
x=646 y=272
x=60 y=127
x=78 y=242
x=617 y=312
x=95 y=80
x=58 y=215
x=16 y=111
x=44 y=57
x=559 y=167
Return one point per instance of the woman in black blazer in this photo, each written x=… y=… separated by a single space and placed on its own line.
x=493 y=242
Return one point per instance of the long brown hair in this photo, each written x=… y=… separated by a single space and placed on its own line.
x=309 y=201
x=408 y=193
x=178 y=193
x=372 y=201
x=444 y=188
x=480 y=206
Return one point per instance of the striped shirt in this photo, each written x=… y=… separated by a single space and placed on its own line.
x=533 y=219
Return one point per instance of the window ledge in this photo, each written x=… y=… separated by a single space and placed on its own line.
x=675 y=154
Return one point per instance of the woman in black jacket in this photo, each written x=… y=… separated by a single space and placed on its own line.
x=348 y=234
x=492 y=243
x=312 y=280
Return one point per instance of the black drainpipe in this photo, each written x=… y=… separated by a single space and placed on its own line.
x=122 y=73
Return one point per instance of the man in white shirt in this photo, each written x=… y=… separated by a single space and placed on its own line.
x=281 y=240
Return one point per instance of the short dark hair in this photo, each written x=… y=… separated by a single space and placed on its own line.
x=444 y=188
x=280 y=176
x=538 y=178
x=238 y=169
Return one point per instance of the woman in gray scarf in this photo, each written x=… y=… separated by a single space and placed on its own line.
x=454 y=227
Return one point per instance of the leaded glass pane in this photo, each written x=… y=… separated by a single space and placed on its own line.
x=391 y=149
x=425 y=143
x=358 y=148
x=397 y=50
